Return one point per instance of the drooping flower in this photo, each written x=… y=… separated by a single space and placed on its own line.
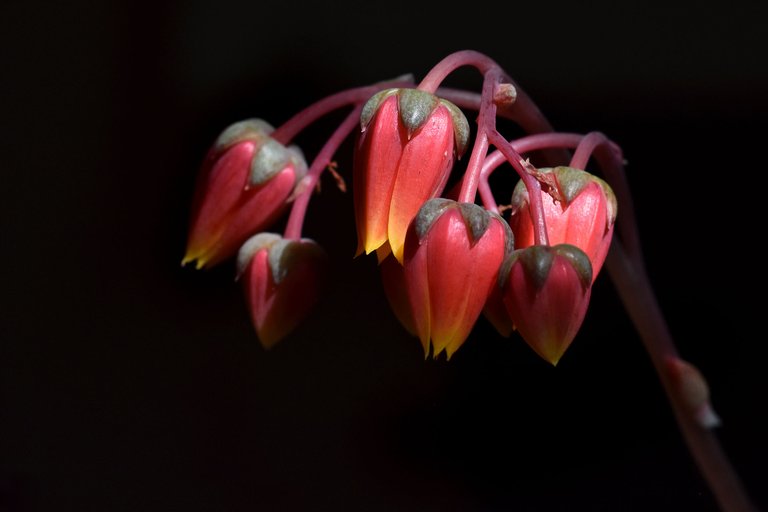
x=546 y=291
x=282 y=280
x=453 y=252
x=583 y=216
x=241 y=190
x=403 y=158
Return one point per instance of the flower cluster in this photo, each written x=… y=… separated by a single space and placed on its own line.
x=445 y=258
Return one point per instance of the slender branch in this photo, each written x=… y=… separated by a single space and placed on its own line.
x=523 y=111
x=640 y=302
x=288 y=130
x=307 y=184
x=486 y=116
x=531 y=184
x=451 y=63
x=611 y=162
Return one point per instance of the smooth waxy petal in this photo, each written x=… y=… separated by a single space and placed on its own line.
x=584 y=218
x=404 y=158
x=375 y=170
x=546 y=292
x=242 y=189
x=421 y=174
x=452 y=258
x=282 y=280
x=218 y=192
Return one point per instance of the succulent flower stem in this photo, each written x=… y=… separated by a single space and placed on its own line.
x=451 y=63
x=319 y=164
x=358 y=95
x=642 y=306
x=486 y=117
x=522 y=145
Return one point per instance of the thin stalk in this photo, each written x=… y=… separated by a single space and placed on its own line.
x=637 y=295
x=480 y=148
x=611 y=162
x=358 y=95
x=319 y=164
x=451 y=63
x=522 y=145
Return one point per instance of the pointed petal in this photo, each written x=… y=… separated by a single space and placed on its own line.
x=277 y=308
x=548 y=315
x=415 y=274
x=218 y=192
x=461 y=275
x=256 y=209
x=422 y=173
x=376 y=162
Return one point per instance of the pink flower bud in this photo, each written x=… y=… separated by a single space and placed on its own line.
x=403 y=158
x=242 y=189
x=583 y=216
x=282 y=280
x=546 y=291
x=453 y=252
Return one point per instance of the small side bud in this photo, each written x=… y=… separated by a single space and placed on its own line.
x=505 y=95
x=691 y=389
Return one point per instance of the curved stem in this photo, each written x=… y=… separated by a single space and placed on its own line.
x=288 y=130
x=480 y=149
x=610 y=160
x=523 y=112
x=307 y=184
x=640 y=302
x=522 y=145
x=531 y=184
x=452 y=62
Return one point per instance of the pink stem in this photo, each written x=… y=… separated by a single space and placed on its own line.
x=480 y=148
x=288 y=130
x=609 y=158
x=523 y=112
x=522 y=145
x=531 y=184
x=449 y=64
x=321 y=161
x=636 y=293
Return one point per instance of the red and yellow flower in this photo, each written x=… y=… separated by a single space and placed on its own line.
x=404 y=157
x=242 y=189
x=583 y=215
x=546 y=292
x=453 y=252
x=282 y=280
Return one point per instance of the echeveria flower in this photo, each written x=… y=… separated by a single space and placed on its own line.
x=546 y=291
x=282 y=280
x=404 y=157
x=453 y=252
x=583 y=216
x=242 y=189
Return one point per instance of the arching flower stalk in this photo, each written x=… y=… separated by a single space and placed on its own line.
x=444 y=258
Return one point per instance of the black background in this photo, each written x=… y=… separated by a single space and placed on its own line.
x=130 y=384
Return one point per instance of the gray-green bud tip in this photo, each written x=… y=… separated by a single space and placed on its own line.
x=282 y=254
x=250 y=129
x=271 y=157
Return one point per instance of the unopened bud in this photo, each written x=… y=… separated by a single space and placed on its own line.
x=692 y=391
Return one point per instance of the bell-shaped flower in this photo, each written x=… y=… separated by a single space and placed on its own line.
x=546 y=291
x=583 y=215
x=242 y=189
x=282 y=280
x=453 y=252
x=403 y=158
